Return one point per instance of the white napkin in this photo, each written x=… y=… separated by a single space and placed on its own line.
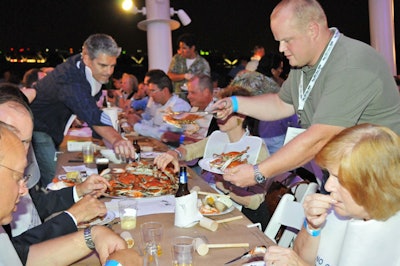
x=112 y=112
x=186 y=212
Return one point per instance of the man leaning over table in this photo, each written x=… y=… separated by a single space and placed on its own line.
x=162 y=101
x=336 y=82
x=73 y=88
x=36 y=205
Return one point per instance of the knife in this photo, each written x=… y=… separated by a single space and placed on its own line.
x=257 y=250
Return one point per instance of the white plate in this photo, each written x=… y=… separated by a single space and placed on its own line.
x=205 y=164
x=221 y=213
x=149 y=154
x=110 y=216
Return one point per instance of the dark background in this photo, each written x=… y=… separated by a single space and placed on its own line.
x=228 y=28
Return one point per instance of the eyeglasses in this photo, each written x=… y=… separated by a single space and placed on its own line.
x=21 y=176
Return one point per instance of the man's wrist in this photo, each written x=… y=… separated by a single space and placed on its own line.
x=87 y=234
x=258 y=176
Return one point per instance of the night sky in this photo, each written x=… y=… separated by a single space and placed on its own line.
x=229 y=26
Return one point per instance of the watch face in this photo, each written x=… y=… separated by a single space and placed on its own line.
x=259 y=178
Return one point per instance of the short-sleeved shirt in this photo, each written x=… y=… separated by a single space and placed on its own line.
x=178 y=66
x=354 y=87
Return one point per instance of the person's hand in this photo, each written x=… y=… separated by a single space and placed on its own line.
x=316 y=208
x=133 y=118
x=124 y=148
x=169 y=136
x=277 y=255
x=94 y=185
x=87 y=208
x=188 y=76
x=222 y=108
x=166 y=158
x=106 y=242
x=127 y=257
x=241 y=175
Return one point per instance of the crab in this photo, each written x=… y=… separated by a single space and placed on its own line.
x=143 y=179
x=229 y=159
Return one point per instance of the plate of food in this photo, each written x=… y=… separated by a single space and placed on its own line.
x=142 y=179
x=108 y=218
x=220 y=162
x=178 y=119
x=212 y=205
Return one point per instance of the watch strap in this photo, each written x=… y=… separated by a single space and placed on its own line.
x=87 y=233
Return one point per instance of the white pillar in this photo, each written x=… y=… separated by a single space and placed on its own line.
x=381 y=23
x=159 y=25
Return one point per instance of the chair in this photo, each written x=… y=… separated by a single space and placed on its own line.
x=289 y=213
x=303 y=189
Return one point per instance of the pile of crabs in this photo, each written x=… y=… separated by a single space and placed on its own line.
x=141 y=179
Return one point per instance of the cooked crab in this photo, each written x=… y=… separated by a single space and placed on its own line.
x=233 y=157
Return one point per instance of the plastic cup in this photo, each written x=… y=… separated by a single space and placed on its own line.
x=88 y=153
x=127 y=213
x=182 y=251
x=152 y=233
x=102 y=164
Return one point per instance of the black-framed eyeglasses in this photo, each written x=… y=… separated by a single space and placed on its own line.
x=21 y=176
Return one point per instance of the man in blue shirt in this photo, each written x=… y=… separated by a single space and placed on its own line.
x=73 y=88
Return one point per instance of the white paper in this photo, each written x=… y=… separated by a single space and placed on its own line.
x=146 y=206
x=186 y=212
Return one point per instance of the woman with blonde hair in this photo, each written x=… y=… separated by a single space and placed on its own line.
x=357 y=223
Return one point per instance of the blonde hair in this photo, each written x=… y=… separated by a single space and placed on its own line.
x=368 y=160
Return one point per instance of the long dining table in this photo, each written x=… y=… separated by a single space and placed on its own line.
x=237 y=231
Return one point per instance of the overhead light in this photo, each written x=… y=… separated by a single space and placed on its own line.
x=183 y=17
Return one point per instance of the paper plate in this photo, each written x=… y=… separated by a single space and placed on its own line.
x=110 y=216
x=221 y=213
x=205 y=165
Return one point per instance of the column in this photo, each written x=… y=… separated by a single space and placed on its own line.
x=381 y=21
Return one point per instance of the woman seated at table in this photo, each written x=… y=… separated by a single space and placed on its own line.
x=236 y=129
x=358 y=223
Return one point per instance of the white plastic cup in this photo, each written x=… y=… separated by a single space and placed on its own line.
x=128 y=213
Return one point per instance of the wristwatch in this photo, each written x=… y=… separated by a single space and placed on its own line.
x=257 y=175
x=87 y=233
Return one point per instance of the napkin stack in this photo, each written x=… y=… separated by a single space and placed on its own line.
x=186 y=212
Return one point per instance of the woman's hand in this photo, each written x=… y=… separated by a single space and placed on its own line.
x=166 y=158
x=277 y=255
x=316 y=208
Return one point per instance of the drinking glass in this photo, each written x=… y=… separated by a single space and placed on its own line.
x=151 y=236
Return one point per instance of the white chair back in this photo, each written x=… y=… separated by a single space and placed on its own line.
x=289 y=213
x=303 y=189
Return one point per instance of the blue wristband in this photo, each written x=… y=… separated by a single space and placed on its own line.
x=235 y=105
x=181 y=139
x=313 y=233
x=112 y=263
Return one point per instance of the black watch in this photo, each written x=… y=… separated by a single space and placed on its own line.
x=257 y=175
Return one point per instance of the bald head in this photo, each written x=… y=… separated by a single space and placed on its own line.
x=17 y=115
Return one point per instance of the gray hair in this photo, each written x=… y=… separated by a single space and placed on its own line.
x=100 y=43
